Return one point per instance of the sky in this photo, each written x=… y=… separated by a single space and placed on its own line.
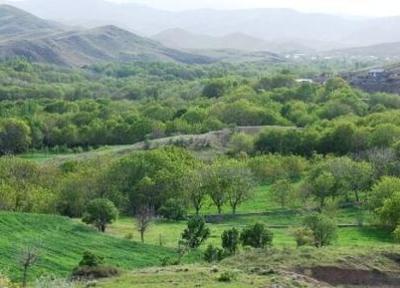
x=344 y=7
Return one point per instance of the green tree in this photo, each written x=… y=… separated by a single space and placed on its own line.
x=15 y=136
x=196 y=232
x=100 y=213
x=282 y=191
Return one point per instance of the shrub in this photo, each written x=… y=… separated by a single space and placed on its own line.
x=91 y=267
x=213 y=254
x=91 y=260
x=256 y=236
x=230 y=240
x=303 y=236
x=168 y=261
x=196 y=232
x=173 y=210
x=227 y=277
x=323 y=229
x=86 y=272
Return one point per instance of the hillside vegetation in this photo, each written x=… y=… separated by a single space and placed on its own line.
x=62 y=243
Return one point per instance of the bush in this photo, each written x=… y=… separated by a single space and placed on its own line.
x=196 y=232
x=230 y=240
x=91 y=260
x=256 y=236
x=168 y=261
x=86 y=272
x=173 y=210
x=227 y=277
x=213 y=254
x=323 y=229
x=91 y=267
x=303 y=236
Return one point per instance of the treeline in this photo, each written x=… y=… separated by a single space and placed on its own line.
x=332 y=118
x=173 y=183
x=164 y=179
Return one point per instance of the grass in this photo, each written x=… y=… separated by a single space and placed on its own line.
x=62 y=243
x=168 y=233
x=273 y=267
x=195 y=276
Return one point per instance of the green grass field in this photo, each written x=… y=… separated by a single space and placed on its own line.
x=62 y=243
x=281 y=221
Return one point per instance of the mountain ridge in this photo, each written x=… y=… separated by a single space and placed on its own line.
x=43 y=41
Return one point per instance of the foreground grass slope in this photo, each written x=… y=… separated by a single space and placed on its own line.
x=278 y=267
x=62 y=243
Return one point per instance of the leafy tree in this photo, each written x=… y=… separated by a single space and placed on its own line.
x=241 y=143
x=282 y=191
x=230 y=240
x=15 y=136
x=196 y=184
x=256 y=236
x=196 y=232
x=214 y=89
x=382 y=191
x=100 y=213
x=389 y=213
x=322 y=187
x=241 y=184
x=173 y=209
x=323 y=228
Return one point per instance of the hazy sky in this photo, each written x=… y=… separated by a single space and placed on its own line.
x=350 y=7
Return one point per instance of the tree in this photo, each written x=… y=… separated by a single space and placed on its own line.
x=389 y=213
x=195 y=184
x=322 y=186
x=196 y=232
x=218 y=183
x=100 y=212
x=281 y=191
x=323 y=228
x=29 y=256
x=241 y=142
x=144 y=217
x=173 y=209
x=256 y=236
x=230 y=240
x=383 y=190
x=15 y=136
x=214 y=89
x=241 y=184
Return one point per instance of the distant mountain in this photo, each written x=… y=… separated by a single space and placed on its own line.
x=44 y=42
x=315 y=31
x=179 y=38
x=390 y=50
x=16 y=23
